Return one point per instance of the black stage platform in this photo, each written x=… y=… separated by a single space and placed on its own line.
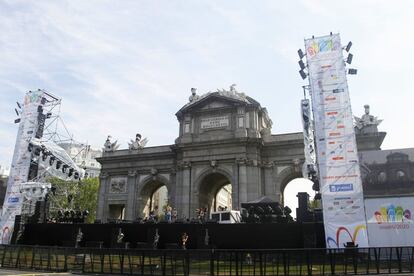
x=221 y=236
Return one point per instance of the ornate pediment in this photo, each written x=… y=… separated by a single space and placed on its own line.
x=215 y=100
x=214 y=104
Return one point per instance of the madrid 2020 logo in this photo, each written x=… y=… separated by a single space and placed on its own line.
x=392 y=213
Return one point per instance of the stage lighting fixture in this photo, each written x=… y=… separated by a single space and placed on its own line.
x=45 y=155
x=51 y=160
x=17 y=112
x=76 y=175
x=352 y=71
x=70 y=172
x=300 y=53
x=19 y=105
x=64 y=167
x=349 y=58
x=30 y=147
x=302 y=74
x=53 y=189
x=48 y=115
x=58 y=164
x=37 y=151
x=301 y=64
x=17 y=121
x=348 y=46
x=39 y=109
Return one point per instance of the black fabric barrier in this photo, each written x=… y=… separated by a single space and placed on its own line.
x=222 y=236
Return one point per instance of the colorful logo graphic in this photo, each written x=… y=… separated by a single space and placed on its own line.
x=325 y=44
x=335 y=243
x=392 y=213
x=33 y=97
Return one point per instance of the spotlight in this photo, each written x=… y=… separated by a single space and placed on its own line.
x=300 y=53
x=45 y=154
x=30 y=147
x=17 y=112
x=48 y=115
x=301 y=64
x=348 y=47
x=53 y=190
x=37 y=151
x=349 y=58
x=302 y=74
x=70 y=172
x=17 y=121
x=352 y=71
x=39 y=109
x=58 y=164
x=19 y=105
x=76 y=175
x=64 y=167
x=51 y=160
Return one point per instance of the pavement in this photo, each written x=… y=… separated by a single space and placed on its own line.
x=32 y=273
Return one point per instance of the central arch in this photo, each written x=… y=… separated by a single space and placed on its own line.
x=153 y=196
x=214 y=191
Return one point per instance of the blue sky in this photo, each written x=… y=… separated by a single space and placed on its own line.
x=123 y=67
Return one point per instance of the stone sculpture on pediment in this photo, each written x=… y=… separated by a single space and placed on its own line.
x=138 y=143
x=367 y=123
x=109 y=146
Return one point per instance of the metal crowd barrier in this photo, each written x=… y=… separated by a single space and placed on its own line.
x=106 y=261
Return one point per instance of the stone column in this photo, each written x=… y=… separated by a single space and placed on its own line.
x=172 y=189
x=131 y=185
x=241 y=123
x=103 y=179
x=242 y=180
x=186 y=190
x=269 y=182
x=253 y=180
x=188 y=129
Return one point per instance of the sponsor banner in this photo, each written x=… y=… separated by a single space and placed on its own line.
x=337 y=156
x=308 y=138
x=19 y=171
x=390 y=221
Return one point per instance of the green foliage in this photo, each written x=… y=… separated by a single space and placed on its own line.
x=74 y=195
x=315 y=204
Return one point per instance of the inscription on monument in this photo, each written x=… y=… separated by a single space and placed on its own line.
x=214 y=122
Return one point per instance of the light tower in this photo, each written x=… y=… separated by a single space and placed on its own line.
x=336 y=150
x=35 y=155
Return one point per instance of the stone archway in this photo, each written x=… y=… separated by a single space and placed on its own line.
x=283 y=179
x=209 y=186
x=146 y=201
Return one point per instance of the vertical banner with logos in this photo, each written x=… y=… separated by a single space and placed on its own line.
x=339 y=173
x=19 y=171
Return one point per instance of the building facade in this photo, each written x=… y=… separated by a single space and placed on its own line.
x=224 y=138
x=85 y=157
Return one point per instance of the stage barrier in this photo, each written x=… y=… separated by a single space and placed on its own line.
x=349 y=261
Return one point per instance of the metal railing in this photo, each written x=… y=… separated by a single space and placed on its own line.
x=107 y=261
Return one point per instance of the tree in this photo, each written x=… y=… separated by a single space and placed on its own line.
x=74 y=195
